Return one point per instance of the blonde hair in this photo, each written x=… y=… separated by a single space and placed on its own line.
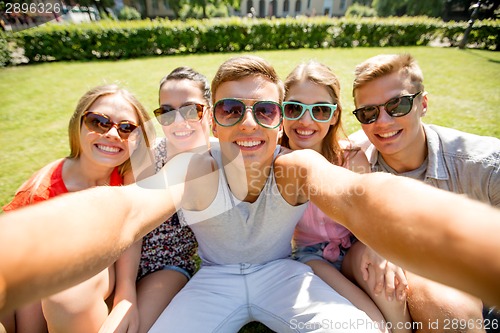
x=385 y=64
x=239 y=68
x=322 y=75
x=88 y=99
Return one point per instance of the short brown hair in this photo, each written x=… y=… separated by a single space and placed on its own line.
x=239 y=68
x=385 y=64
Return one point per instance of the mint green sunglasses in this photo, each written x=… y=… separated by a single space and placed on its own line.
x=321 y=113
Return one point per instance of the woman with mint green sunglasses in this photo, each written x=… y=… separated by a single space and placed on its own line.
x=312 y=120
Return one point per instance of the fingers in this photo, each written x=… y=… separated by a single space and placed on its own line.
x=389 y=285
x=389 y=279
x=364 y=269
x=379 y=271
x=401 y=284
x=396 y=284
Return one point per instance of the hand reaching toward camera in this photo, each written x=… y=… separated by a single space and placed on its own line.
x=386 y=275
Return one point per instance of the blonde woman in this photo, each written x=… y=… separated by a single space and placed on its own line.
x=105 y=129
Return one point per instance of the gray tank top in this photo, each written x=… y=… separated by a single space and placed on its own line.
x=230 y=231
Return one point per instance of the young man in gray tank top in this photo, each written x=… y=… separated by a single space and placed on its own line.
x=244 y=234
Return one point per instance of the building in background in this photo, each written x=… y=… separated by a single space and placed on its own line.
x=255 y=8
x=151 y=8
x=293 y=8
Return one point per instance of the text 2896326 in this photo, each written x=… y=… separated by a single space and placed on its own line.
x=33 y=8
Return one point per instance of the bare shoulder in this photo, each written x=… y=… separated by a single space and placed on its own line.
x=201 y=165
x=201 y=182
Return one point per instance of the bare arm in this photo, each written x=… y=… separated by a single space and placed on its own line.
x=441 y=235
x=53 y=245
x=126 y=268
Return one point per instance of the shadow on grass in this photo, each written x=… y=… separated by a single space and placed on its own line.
x=483 y=55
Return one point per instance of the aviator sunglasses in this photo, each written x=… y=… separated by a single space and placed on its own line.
x=166 y=114
x=321 y=112
x=395 y=107
x=101 y=124
x=229 y=111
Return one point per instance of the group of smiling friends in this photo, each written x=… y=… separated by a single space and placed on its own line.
x=291 y=219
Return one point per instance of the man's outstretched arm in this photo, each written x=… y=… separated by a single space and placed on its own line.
x=53 y=245
x=437 y=234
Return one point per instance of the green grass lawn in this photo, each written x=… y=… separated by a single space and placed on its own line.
x=38 y=100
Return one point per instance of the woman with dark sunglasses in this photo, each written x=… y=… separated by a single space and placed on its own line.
x=167 y=260
x=104 y=131
x=312 y=120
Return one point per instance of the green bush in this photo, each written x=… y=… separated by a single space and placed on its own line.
x=115 y=40
x=128 y=14
x=5 y=57
x=357 y=10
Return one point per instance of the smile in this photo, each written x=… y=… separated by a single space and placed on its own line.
x=108 y=149
x=388 y=134
x=183 y=133
x=248 y=144
x=304 y=132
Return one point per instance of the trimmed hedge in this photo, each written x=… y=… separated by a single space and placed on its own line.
x=116 y=40
x=5 y=57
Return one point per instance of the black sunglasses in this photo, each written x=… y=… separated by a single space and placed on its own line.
x=395 y=107
x=229 y=111
x=165 y=114
x=101 y=123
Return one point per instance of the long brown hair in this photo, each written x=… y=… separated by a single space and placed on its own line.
x=322 y=75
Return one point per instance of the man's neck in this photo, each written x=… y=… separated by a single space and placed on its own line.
x=255 y=175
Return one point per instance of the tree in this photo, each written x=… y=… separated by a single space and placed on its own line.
x=431 y=8
x=447 y=9
x=128 y=14
x=175 y=5
x=462 y=9
x=388 y=7
x=357 y=10
x=216 y=3
x=367 y=3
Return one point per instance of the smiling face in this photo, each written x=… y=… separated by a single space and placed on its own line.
x=183 y=135
x=305 y=132
x=108 y=149
x=400 y=140
x=256 y=143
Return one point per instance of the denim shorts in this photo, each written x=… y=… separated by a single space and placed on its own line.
x=177 y=269
x=315 y=252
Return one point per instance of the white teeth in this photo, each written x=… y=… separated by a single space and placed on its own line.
x=248 y=143
x=304 y=132
x=388 y=135
x=183 y=133
x=108 y=149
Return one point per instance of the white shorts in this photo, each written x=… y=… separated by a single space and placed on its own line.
x=284 y=295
